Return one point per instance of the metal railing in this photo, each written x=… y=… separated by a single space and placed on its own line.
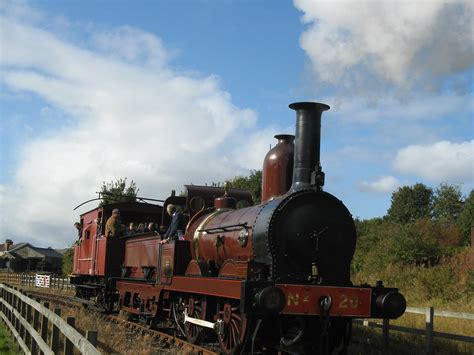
x=429 y=332
x=35 y=327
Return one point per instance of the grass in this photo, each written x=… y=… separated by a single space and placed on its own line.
x=7 y=345
x=115 y=338
x=369 y=341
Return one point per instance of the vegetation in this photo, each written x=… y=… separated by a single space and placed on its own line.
x=252 y=183
x=466 y=218
x=7 y=345
x=447 y=202
x=420 y=247
x=68 y=259
x=410 y=203
x=118 y=191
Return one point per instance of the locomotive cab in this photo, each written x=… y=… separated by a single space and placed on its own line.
x=98 y=258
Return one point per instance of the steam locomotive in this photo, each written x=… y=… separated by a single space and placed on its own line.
x=256 y=278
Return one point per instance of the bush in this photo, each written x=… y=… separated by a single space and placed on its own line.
x=439 y=282
x=68 y=260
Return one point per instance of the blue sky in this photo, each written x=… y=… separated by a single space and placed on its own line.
x=175 y=92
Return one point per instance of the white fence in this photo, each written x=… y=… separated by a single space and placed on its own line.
x=35 y=280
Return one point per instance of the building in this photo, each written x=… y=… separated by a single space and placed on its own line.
x=26 y=257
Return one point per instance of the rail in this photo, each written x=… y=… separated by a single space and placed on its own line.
x=32 y=280
x=429 y=331
x=36 y=327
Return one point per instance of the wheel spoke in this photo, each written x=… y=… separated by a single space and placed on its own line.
x=234 y=330
x=193 y=331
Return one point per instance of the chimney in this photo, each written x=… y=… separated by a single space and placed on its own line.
x=307 y=170
x=8 y=242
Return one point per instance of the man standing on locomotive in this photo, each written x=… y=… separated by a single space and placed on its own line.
x=113 y=227
x=176 y=227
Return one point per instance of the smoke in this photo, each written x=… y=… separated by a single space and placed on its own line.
x=381 y=46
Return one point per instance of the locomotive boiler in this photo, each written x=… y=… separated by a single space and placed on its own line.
x=268 y=277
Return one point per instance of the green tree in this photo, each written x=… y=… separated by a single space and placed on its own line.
x=118 y=191
x=417 y=244
x=68 y=259
x=410 y=203
x=252 y=183
x=447 y=202
x=372 y=242
x=466 y=218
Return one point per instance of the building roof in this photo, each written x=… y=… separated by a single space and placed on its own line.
x=62 y=251
x=32 y=251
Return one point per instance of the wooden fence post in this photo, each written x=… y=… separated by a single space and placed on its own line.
x=36 y=327
x=429 y=329
x=55 y=334
x=44 y=324
x=10 y=302
x=24 y=308
x=22 y=315
x=91 y=335
x=385 y=332
x=68 y=348
x=2 y=293
x=28 y=319
x=16 y=306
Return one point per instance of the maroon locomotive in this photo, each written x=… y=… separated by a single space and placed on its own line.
x=268 y=277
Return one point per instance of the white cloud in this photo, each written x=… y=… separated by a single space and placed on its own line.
x=132 y=116
x=438 y=162
x=418 y=109
x=374 y=44
x=132 y=45
x=384 y=184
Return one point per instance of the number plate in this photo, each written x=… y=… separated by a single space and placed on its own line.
x=346 y=301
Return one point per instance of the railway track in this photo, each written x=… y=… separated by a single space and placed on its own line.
x=165 y=340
